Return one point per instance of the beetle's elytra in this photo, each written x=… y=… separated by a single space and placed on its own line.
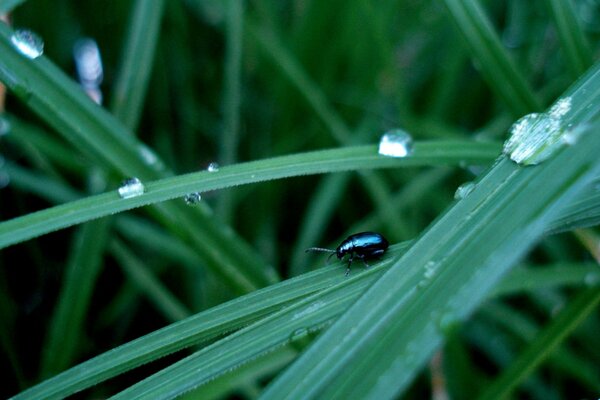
x=364 y=245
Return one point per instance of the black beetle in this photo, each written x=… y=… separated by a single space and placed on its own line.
x=362 y=245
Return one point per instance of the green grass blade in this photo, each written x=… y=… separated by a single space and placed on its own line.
x=446 y=274
x=492 y=58
x=63 y=105
x=66 y=326
x=137 y=57
x=363 y=157
x=194 y=330
x=578 y=56
x=560 y=327
x=232 y=96
x=147 y=283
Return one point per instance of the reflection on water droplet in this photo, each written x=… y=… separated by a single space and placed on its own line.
x=463 y=190
x=28 y=43
x=132 y=187
x=396 y=143
x=535 y=137
x=560 y=108
x=192 y=198
x=213 y=167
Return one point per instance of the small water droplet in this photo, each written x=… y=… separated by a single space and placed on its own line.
x=463 y=190
x=28 y=43
x=430 y=269
x=213 y=167
x=4 y=126
x=592 y=278
x=308 y=310
x=192 y=199
x=396 y=143
x=132 y=187
x=299 y=333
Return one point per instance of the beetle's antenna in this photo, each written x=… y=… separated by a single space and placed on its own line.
x=320 y=249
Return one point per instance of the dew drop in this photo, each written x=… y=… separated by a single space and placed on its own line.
x=191 y=199
x=132 y=187
x=536 y=137
x=213 y=167
x=299 y=333
x=430 y=269
x=396 y=143
x=448 y=323
x=28 y=43
x=463 y=190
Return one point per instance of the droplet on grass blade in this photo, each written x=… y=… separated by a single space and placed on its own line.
x=463 y=190
x=28 y=43
x=192 y=199
x=213 y=167
x=132 y=187
x=396 y=143
x=536 y=137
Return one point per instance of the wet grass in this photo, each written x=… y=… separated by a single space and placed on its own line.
x=219 y=299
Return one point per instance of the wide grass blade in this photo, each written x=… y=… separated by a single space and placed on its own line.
x=446 y=274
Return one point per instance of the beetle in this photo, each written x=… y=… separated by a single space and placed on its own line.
x=363 y=245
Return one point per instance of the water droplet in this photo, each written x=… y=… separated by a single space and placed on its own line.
x=132 y=187
x=396 y=143
x=28 y=43
x=88 y=62
x=4 y=126
x=560 y=108
x=463 y=190
x=192 y=199
x=299 y=333
x=535 y=137
x=592 y=279
x=308 y=310
x=213 y=167
x=430 y=269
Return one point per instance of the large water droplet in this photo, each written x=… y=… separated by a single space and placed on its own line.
x=28 y=43
x=463 y=190
x=213 y=167
x=536 y=137
x=192 y=199
x=132 y=187
x=396 y=143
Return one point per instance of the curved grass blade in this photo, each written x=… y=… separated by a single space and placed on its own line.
x=363 y=157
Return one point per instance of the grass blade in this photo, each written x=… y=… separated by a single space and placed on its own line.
x=402 y=318
x=440 y=153
x=538 y=350
x=494 y=61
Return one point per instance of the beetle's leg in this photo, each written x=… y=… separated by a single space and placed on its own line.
x=364 y=262
x=349 y=264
